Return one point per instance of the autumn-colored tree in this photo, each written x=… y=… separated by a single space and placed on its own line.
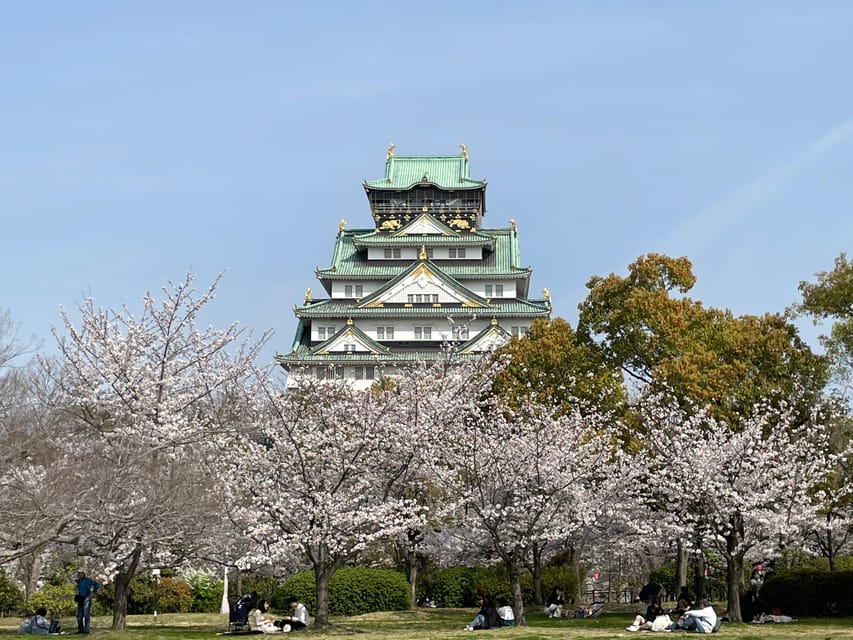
x=646 y=325
x=551 y=366
x=703 y=357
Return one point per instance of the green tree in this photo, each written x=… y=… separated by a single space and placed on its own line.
x=831 y=298
x=550 y=365
x=647 y=326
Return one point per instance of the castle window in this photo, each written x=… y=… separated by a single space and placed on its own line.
x=325 y=332
x=460 y=333
x=348 y=291
x=359 y=290
x=499 y=291
x=365 y=373
x=384 y=333
x=423 y=333
x=488 y=291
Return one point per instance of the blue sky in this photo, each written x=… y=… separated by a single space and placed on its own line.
x=142 y=140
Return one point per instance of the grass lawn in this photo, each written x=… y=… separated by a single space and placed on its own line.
x=440 y=624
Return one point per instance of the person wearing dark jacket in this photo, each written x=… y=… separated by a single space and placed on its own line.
x=486 y=618
x=84 y=592
x=555 y=603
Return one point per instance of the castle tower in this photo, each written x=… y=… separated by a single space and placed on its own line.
x=427 y=275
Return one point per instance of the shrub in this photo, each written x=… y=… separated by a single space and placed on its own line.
x=461 y=586
x=171 y=595
x=265 y=587
x=11 y=598
x=810 y=593
x=57 y=599
x=451 y=587
x=206 y=590
x=300 y=585
x=352 y=591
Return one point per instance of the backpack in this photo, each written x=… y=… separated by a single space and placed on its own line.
x=55 y=627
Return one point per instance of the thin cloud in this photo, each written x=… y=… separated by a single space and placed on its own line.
x=715 y=220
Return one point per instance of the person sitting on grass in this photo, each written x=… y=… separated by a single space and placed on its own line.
x=642 y=623
x=555 y=603
x=298 y=619
x=40 y=625
x=486 y=618
x=702 y=619
x=506 y=614
x=258 y=620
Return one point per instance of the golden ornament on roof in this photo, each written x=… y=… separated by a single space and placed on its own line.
x=390 y=150
x=464 y=150
x=546 y=294
x=422 y=255
x=308 y=294
x=341 y=225
x=512 y=223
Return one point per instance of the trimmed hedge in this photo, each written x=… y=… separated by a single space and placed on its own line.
x=461 y=586
x=810 y=593
x=352 y=591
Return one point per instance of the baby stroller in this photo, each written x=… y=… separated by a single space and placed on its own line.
x=238 y=616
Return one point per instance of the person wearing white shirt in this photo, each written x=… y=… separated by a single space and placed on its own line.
x=702 y=619
x=506 y=614
x=299 y=618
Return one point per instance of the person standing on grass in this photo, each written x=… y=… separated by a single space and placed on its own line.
x=85 y=591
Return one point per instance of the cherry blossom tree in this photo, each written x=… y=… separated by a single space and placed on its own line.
x=34 y=506
x=141 y=394
x=743 y=491
x=527 y=477
x=833 y=497
x=314 y=479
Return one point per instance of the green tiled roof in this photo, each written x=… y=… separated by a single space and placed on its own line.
x=434 y=270
x=503 y=261
x=304 y=356
x=349 y=309
x=377 y=239
x=446 y=172
x=358 y=333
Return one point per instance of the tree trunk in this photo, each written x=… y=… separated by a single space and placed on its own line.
x=734 y=577
x=680 y=567
x=31 y=567
x=122 y=589
x=575 y=566
x=538 y=596
x=699 y=576
x=409 y=556
x=830 y=551
x=514 y=572
x=412 y=576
